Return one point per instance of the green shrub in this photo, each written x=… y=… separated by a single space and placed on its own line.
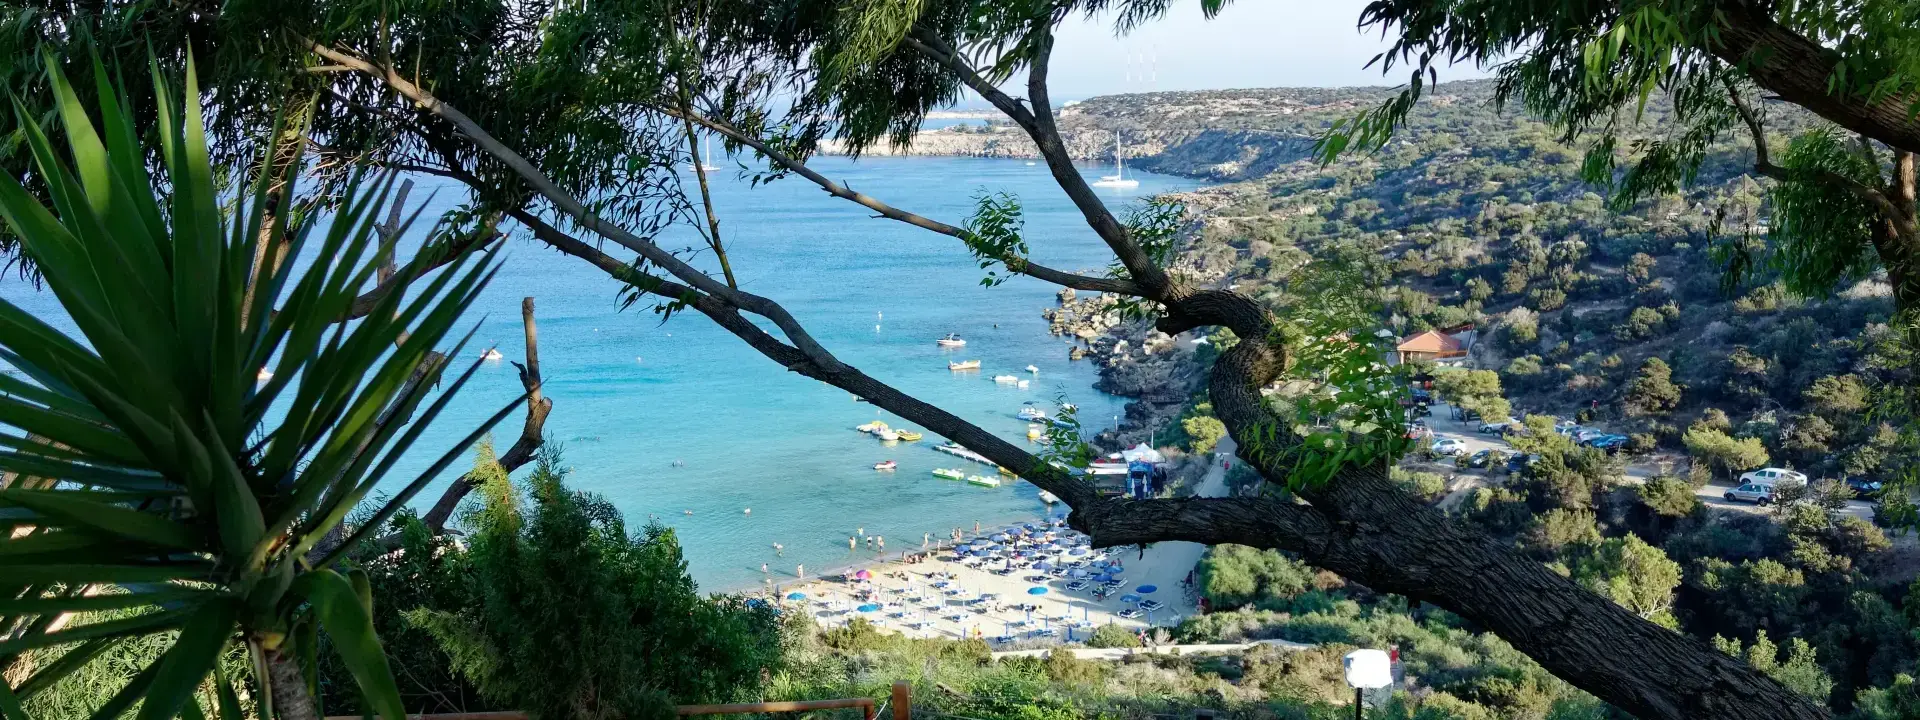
x=1113 y=636
x=1232 y=576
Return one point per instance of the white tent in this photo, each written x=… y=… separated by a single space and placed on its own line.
x=1142 y=453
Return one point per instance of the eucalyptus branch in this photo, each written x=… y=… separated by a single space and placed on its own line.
x=798 y=167
x=576 y=211
x=1045 y=134
x=1901 y=222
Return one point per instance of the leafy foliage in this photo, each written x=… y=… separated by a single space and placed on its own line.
x=993 y=234
x=149 y=457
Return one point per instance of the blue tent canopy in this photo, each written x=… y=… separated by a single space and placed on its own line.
x=796 y=596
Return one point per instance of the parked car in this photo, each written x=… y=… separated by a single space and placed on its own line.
x=1448 y=446
x=1496 y=427
x=1761 y=495
x=1771 y=476
x=1481 y=458
x=1864 y=486
x=1610 y=443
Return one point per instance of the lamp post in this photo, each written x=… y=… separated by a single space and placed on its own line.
x=1367 y=670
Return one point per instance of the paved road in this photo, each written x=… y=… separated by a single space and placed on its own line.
x=1638 y=469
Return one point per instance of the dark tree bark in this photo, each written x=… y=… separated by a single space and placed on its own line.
x=532 y=432
x=1799 y=69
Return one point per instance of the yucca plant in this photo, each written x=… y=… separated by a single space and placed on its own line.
x=183 y=459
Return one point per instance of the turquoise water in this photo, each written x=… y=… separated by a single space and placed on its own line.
x=682 y=416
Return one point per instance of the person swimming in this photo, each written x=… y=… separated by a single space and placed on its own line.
x=748 y=511
x=689 y=512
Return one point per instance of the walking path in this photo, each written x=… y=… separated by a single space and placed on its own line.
x=1117 y=653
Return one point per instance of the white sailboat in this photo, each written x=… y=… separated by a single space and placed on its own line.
x=707 y=163
x=1119 y=177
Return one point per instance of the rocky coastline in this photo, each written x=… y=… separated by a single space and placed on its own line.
x=1155 y=371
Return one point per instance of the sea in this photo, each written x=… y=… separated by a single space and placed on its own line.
x=679 y=422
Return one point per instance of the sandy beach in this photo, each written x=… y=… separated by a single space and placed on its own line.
x=1050 y=594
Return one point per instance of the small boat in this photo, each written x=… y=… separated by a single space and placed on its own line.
x=1035 y=432
x=1004 y=471
x=886 y=434
x=908 y=435
x=1069 y=407
x=885 y=465
x=1033 y=369
x=1119 y=177
x=264 y=375
x=964 y=365
x=950 y=473
x=951 y=340
x=1024 y=384
x=1048 y=498
x=1006 y=379
x=870 y=427
x=491 y=354
x=1032 y=413
x=983 y=481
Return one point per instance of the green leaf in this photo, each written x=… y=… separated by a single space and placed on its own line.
x=103 y=518
x=350 y=626
x=44 y=677
x=187 y=662
x=95 y=603
x=122 y=627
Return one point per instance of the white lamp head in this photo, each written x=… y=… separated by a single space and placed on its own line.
x=1369 y=669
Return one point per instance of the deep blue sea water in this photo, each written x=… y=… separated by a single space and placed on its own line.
x=676 y=417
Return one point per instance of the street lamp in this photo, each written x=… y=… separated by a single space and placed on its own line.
x=1367 y=670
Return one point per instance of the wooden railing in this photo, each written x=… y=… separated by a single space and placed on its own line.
x=901 y=704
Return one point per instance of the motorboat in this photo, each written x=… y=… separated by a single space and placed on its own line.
x=983 y=481
x=885 y=465
x=1006 y=379
x=1032 y=413
x=264 y=375
x=1035 y=432
x=951 y=340
x=1033 y=369
x=908 y=435
x=950 y=473
x=886 y=433
x=964 y=365
x=1048 y=498
x=872 y=427
x=1024 y=384
x=491 y=354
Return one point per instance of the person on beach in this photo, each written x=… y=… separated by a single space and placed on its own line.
x=881 y=541
x=926 y=540
x=852 y=544
x=976 y=527
x=800 y=571
x=763 y=568
x=869 y=542
x=862 y=532
x=779 y=550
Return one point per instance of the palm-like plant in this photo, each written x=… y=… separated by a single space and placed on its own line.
x=154 y=464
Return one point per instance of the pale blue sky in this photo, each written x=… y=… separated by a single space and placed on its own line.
x=1253 y=43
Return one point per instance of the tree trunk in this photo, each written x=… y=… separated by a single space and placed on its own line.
x=288 y=688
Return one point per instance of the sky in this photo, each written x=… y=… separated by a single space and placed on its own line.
x=1251 y=44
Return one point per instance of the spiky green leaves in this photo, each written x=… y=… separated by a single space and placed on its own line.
x=145 y=469
x=994 y=235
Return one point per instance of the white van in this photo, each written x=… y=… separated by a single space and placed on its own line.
x=1772 y=476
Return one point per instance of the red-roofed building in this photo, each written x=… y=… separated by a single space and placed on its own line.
x=1436 y=345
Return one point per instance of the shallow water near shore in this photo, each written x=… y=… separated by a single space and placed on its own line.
x=663 y=419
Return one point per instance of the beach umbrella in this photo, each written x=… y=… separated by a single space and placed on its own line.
x=1036 y=590
x=1077 y=552
x=1076 y=572
x=863 y=575
x=796 y=596
x=1043 y=565
x=1146 y=589
x=869 y=607
x=1103 y=577
x=1130 y=598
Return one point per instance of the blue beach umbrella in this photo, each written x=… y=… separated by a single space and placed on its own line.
x=1076 y=552
x=796 y=596
x=1146 y=589
x=1043 y=565
x=869 y=607
x=1130 y=598
x=1103 y=577
x=1036 y=590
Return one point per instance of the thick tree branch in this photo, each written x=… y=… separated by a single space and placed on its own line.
x=1799 y=71
x=1014 y=263
x=1900 y=221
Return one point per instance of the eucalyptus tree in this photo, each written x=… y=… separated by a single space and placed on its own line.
x=1844 y=192
x=570 y=120
x=188 y=457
